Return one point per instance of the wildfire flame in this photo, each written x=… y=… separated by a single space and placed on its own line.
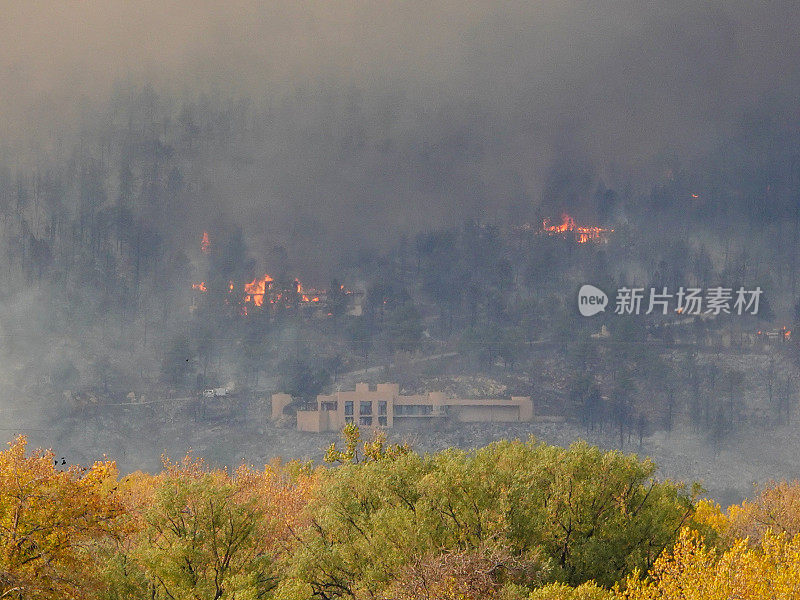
x=263 y=291
x=582 y=234
x=205 y=243
x=260 y=290
x=567 y=224
x=257 y=289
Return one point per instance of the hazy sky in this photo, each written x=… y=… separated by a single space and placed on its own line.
x=481 y=97
x=605 y=63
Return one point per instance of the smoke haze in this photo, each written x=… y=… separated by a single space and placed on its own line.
x=391 y=153
x=399 y=115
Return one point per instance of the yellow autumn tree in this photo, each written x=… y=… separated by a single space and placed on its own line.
x=281 y=493
x=49 y=520
x=776 y=508
x=693 y=570
x=559 y=591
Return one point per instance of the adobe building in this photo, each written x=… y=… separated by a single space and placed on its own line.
x=384 y=407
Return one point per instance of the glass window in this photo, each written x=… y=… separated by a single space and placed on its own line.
x=365 y=421
x=348 y=419
x=365 y=408
x=383 y=421
x=382 y=407
x=348 y=407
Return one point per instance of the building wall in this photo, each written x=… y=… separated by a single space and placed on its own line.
x=525 y=408
x=315 y=420
x=485 y=414
x=380 y=407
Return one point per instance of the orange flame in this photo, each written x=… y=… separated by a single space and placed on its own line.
x=582 y=234
x=205 y=244
x=257 y=289
x=262 y=290
x=567 y=224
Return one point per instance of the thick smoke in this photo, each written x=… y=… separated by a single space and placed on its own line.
x=309 y=137
x=378 y=118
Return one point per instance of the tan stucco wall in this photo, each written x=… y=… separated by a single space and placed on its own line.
x=489 y=410
x=485 y=414
x=525 y=408
x=309 y=420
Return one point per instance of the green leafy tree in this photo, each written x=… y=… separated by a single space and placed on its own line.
x=202 y=540
x=563 y=515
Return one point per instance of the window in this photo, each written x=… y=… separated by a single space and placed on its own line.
x=365 y=421
x=348 y=419
x=365 y=408
x=348 y=408
x=328 y=406
x=382 y=407
x=383 y=421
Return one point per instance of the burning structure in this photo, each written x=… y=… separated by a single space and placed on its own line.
x=262 y=290
x=384 y=407
x=581 y=233
x=265 y=292
x=568 y=229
